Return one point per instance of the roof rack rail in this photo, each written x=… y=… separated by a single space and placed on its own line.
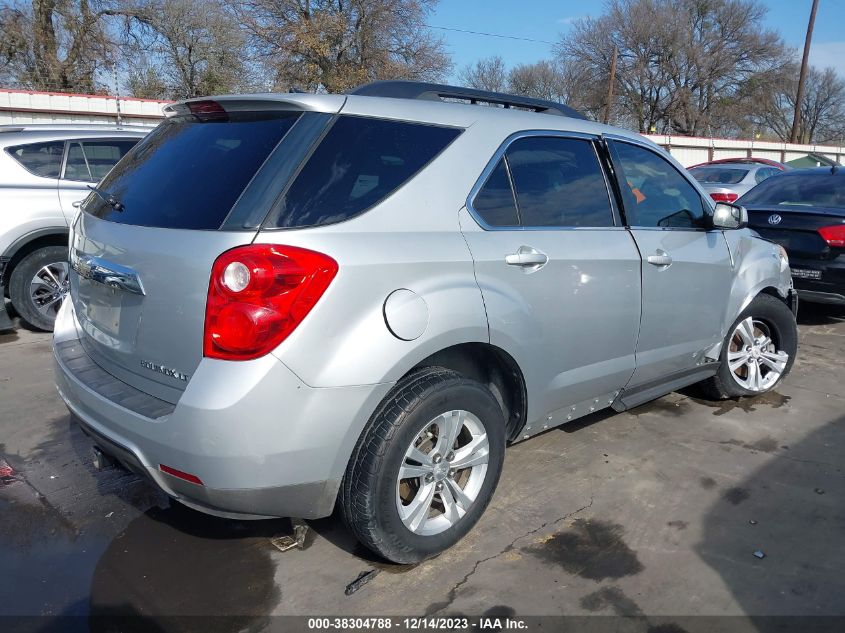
x=439 y=92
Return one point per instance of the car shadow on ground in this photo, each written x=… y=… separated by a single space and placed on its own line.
x=17 y=321
x=770 y=544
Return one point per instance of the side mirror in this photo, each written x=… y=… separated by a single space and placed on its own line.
x=729 y=216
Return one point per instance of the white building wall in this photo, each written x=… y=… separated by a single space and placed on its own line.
x=691 y=150
x=27 y=106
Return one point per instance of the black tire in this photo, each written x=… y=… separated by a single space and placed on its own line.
x=368 y=493
x=19 y=285
x=783 y=330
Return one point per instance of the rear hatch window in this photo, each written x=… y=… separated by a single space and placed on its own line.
x=718 y=175
x=814 y=189
x=190 y=171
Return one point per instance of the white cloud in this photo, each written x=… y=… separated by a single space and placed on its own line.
x=570 y=19
x=828 y=55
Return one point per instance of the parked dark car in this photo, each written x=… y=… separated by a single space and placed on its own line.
x=803 y=210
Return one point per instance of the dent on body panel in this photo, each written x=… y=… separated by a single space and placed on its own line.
x=757 y=265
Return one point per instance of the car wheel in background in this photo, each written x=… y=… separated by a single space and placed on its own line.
x=426 y=467
x=758 y=351
x=38 y=285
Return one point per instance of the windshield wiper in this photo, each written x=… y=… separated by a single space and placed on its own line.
x=108 y=198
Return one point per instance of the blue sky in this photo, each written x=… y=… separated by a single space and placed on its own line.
x=546 y=19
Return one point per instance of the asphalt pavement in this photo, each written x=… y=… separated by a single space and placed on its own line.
x=657 y=512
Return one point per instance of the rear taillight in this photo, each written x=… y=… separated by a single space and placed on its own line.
x=724 y=197
x=258 y=295
x=833 y=235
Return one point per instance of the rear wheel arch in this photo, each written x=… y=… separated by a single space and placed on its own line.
x=494 y=368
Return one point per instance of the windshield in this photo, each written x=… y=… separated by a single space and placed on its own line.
x=718 y=175
x=820 y=189
x=189 y=172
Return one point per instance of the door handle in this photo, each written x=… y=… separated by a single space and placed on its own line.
x=661 y=258
x=528 y=258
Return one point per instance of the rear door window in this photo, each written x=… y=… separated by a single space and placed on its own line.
x=359 y=163
x=495 y=203
x=41 y=159
x=90 y=161
x=189 y=171
x=559 y=182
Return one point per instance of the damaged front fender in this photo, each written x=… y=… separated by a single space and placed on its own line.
x=759 y=266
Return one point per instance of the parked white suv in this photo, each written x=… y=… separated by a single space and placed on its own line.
x=44 y=169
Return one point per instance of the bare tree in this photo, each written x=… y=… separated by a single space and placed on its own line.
x=556 y=80
x=54 y=44
x=333 y=45
x=486 y=74
x=684 y=65
x=541 y=80
x=181 y=48
x=822 y=112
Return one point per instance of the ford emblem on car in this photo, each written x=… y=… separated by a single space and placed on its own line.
x=774 y=218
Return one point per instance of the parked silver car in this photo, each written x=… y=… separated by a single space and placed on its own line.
x=284 y=302
x=726 y=181
x=44 y=169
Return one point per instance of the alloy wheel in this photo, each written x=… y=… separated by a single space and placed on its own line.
x=753 y=358
x=442 y=472
x=48 y=288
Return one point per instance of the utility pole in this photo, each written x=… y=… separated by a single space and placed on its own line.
x=611 y=82
x=796 y=119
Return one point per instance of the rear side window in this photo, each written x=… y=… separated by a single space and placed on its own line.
x=358 y=164
x=188 y=172
x=90 y=161
x=495 y=202
x=559 y=182
x=42 y=159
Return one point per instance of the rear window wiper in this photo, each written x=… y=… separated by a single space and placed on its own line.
x=108 y=198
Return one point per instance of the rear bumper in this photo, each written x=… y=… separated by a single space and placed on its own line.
x=263 y=443
x=830 y=288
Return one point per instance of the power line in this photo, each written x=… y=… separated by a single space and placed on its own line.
x=507 y=37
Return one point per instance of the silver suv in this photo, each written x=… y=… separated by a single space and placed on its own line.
x=44 y=169
x=285 y=302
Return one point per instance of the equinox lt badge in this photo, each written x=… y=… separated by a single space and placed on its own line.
x=167 y=371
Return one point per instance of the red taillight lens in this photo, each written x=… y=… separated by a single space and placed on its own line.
x=833 y=235
x=258 y=295
x=724 y=197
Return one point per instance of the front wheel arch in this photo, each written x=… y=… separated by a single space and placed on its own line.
x=738 y=351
